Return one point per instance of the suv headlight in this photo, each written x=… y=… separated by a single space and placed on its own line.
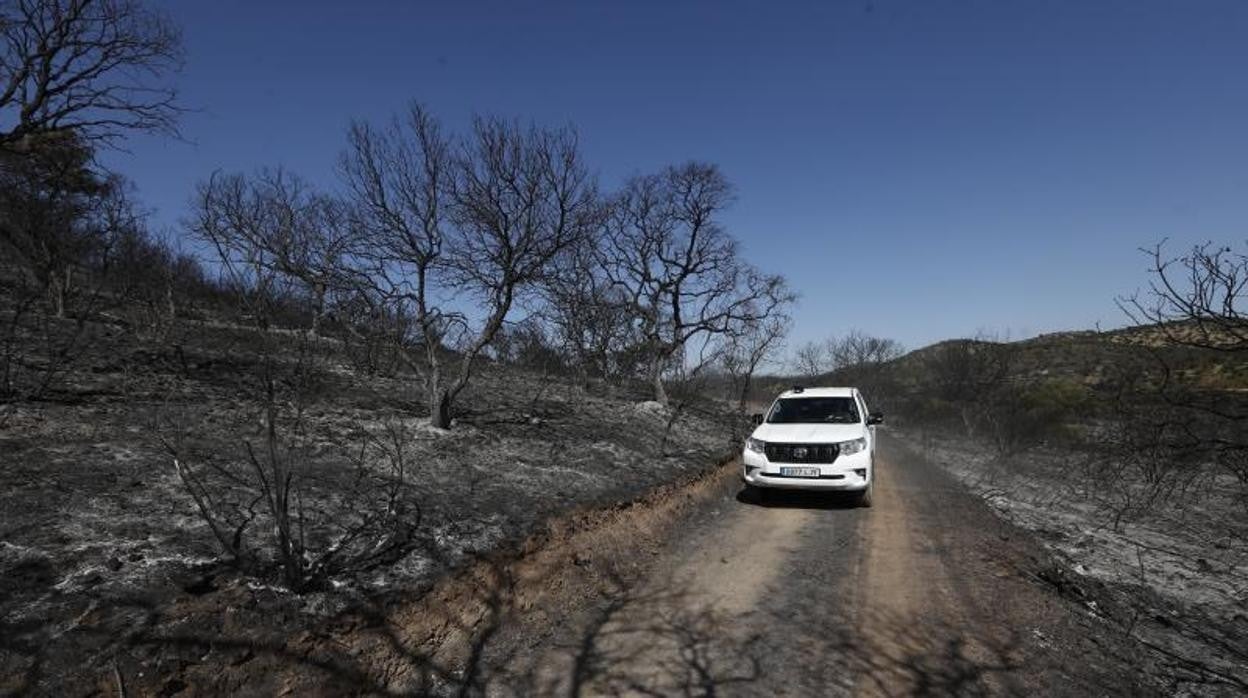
x=755 y=445
x=849 y=448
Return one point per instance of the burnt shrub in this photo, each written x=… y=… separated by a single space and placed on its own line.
x=1019 y=417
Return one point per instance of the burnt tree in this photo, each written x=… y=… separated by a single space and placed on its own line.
x=481 y=218
x=678 y=268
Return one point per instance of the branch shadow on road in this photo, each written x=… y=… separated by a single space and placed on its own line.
x=634 y=639
x=883 y=653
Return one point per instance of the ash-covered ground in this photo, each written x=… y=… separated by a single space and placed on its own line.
x=1177 y=568
x=100 y=541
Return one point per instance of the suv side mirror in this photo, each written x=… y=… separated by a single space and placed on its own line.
x=756 y=418
x=875 y=418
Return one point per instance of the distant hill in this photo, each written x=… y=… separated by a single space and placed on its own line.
x=1101 y=361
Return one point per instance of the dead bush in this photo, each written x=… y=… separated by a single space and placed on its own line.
x=1141 y=461
x=298 y=508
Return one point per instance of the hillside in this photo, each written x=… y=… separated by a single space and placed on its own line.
x=1103 y=360
x=98 y=533
x=1134 y=359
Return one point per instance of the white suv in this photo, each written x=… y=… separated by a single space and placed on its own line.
x=814 y=439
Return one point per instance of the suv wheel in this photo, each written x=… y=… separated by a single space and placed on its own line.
x=864 y=499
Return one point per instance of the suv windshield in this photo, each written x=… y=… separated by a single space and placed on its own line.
x=812 y=410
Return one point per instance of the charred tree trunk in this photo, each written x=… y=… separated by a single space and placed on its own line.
x=744 y=396
x=171 y=308
x=440 y=409
x=318 y=308
x=438 y=395
x=656 y=380
x=58 y=290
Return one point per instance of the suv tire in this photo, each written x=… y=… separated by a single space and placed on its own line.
x=864 y=499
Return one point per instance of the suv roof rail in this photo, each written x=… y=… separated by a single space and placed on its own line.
x=798 y=388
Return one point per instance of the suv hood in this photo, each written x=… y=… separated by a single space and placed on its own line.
x=809 y=433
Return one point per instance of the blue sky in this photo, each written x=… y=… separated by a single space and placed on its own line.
x=918 y=170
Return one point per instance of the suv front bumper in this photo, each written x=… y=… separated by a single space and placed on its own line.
x=847 y=473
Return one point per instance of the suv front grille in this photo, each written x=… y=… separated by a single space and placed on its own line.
x=802 y=453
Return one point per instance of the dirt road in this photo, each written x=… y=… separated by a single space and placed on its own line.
x=927 y=593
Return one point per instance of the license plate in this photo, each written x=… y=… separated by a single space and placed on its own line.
x=800 y=472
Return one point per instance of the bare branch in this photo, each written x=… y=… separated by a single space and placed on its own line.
x=95 y=68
